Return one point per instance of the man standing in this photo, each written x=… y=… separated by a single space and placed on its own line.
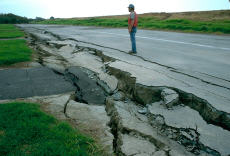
x=132 y=21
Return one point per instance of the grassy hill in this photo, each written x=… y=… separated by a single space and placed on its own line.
x=217 y=22
x=196 y=15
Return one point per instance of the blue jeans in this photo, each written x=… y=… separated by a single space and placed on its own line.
x=133 y=39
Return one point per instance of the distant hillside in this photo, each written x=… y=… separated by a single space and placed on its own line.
x=200 y=16
x=196 y=15
x=217 y=22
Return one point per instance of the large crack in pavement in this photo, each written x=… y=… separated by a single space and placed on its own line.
x=210 y=114
x=154 y=132
x=146 y=60
x=149 y=95
x=142 y=58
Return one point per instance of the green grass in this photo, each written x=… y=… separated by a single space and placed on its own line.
x=14 y=51
x=89 y=22
x=187 y=25
x=26 y=130
x=218 y=26
x=9 y=31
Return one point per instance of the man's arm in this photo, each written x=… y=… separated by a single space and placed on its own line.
x=131 y=25
x=132 y=16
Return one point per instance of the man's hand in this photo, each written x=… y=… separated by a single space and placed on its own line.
x=130 y=30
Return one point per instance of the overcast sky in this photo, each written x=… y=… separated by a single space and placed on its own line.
x=86 y=8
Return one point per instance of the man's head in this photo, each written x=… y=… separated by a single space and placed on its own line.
x=131 y=7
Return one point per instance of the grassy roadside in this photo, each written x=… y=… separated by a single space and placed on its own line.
x=217 y=22
x=26 y=130
x=9 y=31
x=12 y=50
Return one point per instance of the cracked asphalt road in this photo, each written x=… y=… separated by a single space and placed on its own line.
x=206 y=93
x=191 y=53
x=195 y=63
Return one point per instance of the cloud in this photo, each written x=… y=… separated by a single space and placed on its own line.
x=84 y=8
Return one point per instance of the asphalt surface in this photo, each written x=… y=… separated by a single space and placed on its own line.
x=205 y=54
x=195 y=63
x=22 y=83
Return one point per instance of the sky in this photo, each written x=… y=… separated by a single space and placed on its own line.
x=90 y=8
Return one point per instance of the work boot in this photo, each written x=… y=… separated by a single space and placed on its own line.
x=131 y=52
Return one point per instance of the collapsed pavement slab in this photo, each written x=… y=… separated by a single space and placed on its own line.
x=132 y=145
x=186 y=126
x=54 y=104
x=92 y=119
x=125 y=120
x=87 y=89
x=170 y=97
